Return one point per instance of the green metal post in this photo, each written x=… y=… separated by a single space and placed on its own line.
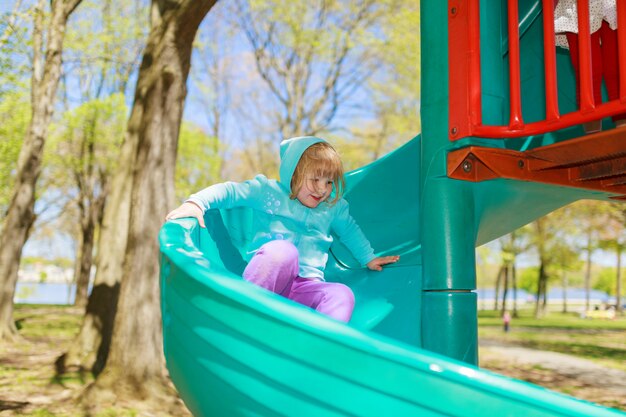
x=449 y=222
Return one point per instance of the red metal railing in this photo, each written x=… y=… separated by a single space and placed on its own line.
x=465 y=73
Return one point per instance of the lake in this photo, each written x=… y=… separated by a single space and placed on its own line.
x=44 y=293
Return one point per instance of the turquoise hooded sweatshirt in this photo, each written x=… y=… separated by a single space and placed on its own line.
x=276 y=216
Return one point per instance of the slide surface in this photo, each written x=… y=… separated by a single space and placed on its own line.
x=234 y=349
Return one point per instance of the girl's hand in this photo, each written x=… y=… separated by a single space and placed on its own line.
x=187 y=209
x=376 y=264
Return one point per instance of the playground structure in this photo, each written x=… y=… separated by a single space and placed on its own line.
x=411 y=348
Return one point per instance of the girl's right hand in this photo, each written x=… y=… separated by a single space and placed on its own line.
x=187 y=209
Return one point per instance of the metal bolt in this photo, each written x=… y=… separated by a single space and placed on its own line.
x=453 y=11
x=520 y=163
x=454 y=131
x=467 y=165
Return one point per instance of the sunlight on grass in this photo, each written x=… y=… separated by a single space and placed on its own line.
x=40 y=321
x=115 y=412
x=552 y=320
x=603 y=341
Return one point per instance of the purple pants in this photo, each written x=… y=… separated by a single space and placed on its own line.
x=275 y=268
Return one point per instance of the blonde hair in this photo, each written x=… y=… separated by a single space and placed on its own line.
x=319 y=159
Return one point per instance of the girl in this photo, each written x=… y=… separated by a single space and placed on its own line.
x=293 y=220
x=604 y=56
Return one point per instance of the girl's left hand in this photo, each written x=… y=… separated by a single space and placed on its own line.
x=376 y=264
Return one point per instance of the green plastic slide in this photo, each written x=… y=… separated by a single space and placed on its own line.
x=234 y=349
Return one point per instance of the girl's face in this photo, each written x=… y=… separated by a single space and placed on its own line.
x=314 y=190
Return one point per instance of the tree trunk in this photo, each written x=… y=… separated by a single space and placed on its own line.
x=588 y=275
x=505 y=289
x=82 y=267
x=514 y=282
x=618 y=283
x=135 y=366
x=90 y=349
x=496 y=295
x=564 y=284
x=21 y=215
x=540 y=304
x=82 y=270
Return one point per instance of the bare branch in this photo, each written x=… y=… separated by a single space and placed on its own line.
x=11 y=24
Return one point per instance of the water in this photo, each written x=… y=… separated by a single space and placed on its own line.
x=44 y=293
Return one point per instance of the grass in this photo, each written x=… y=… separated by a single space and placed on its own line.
x=603 y=341
x=40 y=321
x=553 y=320
x=29 y=385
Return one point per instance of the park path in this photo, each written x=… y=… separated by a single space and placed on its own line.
x=576 y=376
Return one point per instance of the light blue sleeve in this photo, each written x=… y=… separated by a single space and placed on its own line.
x=230 y=194
x=351 y=235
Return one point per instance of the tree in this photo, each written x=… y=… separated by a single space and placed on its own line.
x=213 y=76
x=613 y=238
x=566 y=259
x=543 y=238
x=395 y=88
x=15 y=65
x=12 y=22
x=198 y=162
x=100 y=64
x=135 y=366
x=311 y=56
x=591 y=218
x=14 y=116
x=511 y=246
x=555 y=243
x=104 y=47
x=20 y=215
x=548 y=237
x=84 y=150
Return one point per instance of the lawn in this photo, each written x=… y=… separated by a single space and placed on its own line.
x=603 y=341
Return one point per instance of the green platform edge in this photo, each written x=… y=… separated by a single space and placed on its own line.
x=236 y=350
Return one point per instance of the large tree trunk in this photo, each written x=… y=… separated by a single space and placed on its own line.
x=135 y=365
x=21 y=214
x=91 y=347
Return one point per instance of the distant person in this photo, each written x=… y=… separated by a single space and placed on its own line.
x=293 y=220
x=506 y=320
x=604 y=55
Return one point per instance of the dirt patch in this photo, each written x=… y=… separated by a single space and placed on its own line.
x=29 y=385
x=580 y=378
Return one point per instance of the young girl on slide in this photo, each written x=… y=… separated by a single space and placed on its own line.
x=293 y=220
x=604 y=53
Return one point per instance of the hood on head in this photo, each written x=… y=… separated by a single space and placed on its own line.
x=290 y=152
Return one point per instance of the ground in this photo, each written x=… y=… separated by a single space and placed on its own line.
x=29 y=386
x=582 y=378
